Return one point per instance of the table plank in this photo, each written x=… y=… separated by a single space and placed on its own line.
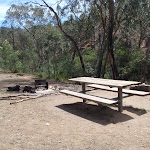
x=106 y=82
x=89 y=97
x=140 y=93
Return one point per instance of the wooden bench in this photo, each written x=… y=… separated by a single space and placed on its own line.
x=127 y=91
x=90 y=97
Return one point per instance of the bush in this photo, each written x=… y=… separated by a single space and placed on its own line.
x=9 y=59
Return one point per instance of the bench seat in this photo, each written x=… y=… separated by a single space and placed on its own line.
x=127 y=91
x=89 y=97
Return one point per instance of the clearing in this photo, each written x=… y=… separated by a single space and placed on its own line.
x=60 y=122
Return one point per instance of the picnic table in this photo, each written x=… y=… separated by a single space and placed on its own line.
x=104 y=84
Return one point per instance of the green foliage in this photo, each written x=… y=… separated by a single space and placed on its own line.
x=130 y=64
x=9 y=58
x=41 y=75
x=123 y=55
x=90 y=60
x=36 y=45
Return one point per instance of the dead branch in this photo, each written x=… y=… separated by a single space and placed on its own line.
x=14 y=96
x=25 y=99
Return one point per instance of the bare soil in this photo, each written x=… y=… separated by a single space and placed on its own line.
x=60 y=122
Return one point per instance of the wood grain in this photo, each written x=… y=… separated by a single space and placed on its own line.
x=89 y=97
x=106 y=82
x=127 y=91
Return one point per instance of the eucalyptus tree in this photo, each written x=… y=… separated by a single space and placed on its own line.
x=113 y=27
x=132 y=31
x=67 y=35
x=107 y=19
x=32 y=18
x=120 y=21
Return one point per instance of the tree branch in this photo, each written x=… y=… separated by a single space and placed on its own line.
x=117 y=11
x=67 y=35
x=102 y=18
x=119 y=23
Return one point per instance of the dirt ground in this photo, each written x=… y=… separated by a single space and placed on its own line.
x=60 y=122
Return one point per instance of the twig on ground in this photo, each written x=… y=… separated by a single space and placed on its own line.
x=26 y=99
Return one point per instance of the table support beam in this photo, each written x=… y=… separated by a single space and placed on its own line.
x=83 y=90
x=120 y=107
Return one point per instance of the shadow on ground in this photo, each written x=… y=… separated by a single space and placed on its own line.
x=136 y=111
x=99 y=114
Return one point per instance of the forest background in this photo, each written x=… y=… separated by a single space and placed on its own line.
x=99 y=38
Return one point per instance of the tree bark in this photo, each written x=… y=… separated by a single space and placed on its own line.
x=110 y=40
x=100 y=57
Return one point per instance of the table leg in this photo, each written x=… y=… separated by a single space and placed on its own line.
x=83 y=90
x=120 y=107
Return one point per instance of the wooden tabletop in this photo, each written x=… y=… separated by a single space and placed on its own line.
x=106 y=82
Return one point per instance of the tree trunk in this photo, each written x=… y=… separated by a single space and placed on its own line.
x=146 y=60
x=68 y=36
x=13 y=37
x=110 y=40
x=101 y=52
x=104 y=67
x=99 y=66
x=39 y=49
